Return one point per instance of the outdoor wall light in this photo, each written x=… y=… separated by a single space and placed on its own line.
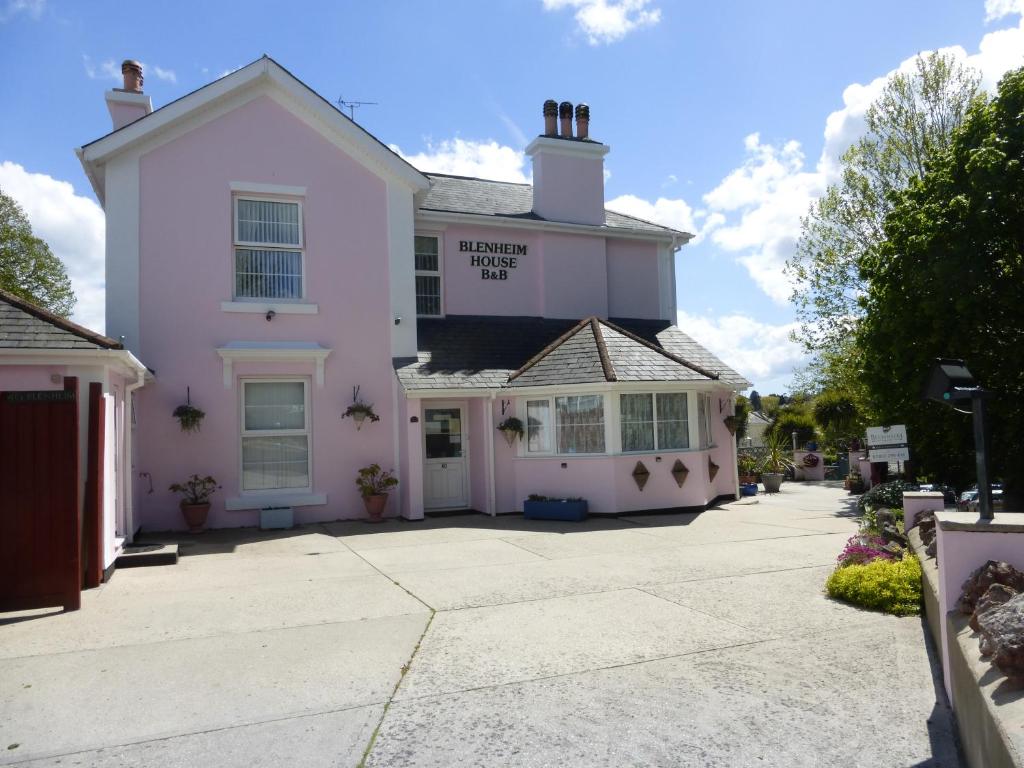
x=271 y=314
x=398 y=319
x=951 y=384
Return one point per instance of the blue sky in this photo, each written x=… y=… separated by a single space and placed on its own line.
x=724 y=118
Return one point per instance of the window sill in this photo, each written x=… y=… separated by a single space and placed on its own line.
x=261 y=308
x=276 y=500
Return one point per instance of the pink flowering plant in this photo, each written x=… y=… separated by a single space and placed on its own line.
x=864 y=548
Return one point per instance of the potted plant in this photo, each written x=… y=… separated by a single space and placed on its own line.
x=538 y=507
x=359 y=411
x=746 y=464
x=195 y=505
x=511 y=428
x=854 y=483
x=774 y=462
x=374 y=484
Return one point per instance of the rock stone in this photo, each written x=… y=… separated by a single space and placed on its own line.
x=994 y=596
x=1002 y=632
x=990 y=573
x=884 y=517
x=925 y=522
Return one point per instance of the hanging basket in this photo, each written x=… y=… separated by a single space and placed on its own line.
x=190 y=417
x=359 y=411
x=732 y=424
x=511 y=428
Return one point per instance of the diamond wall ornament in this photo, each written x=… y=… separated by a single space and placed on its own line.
x=641 y=475
x=679 y=472
x=712 y=469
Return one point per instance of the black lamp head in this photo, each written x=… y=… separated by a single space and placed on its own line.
x=950 y=381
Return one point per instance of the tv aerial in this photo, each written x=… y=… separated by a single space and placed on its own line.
x=352 y=105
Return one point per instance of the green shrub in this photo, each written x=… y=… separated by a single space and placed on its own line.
x=890 y=586
x=884 y=495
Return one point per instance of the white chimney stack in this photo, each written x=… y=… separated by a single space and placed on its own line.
x=128 y=104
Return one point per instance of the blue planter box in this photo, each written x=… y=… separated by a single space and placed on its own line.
x=748 y=489
x=555 y=509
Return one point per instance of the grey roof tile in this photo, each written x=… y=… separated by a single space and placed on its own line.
x=484 y=197
x=26 y=326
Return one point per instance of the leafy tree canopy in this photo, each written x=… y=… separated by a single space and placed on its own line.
x=28 y=268
x=948 y=281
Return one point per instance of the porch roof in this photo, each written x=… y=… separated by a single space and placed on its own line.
x=472 y=352
x=24 y=325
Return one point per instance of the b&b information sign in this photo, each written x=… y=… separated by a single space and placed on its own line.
x=887 y=444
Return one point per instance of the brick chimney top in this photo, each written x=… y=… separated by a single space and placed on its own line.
x=131 y=70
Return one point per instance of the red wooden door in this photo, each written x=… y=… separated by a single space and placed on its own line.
x=39 y=522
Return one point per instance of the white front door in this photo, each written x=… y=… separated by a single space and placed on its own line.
x=444 y=458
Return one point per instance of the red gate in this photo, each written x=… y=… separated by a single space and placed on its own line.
x=40 y=561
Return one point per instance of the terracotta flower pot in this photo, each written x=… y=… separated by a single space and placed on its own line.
x=195 y=515
x=375 y=506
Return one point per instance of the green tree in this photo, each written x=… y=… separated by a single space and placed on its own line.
x=742 y=413
x=28 y=268
x=910 y=122
x=755 y=400
x=949 y=282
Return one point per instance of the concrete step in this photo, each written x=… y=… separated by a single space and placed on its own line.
x=139 y=555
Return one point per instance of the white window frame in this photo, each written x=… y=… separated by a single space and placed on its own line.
x=244 y=433
x=654 y=422
x=439 y=274
x=552 y=427
x=236 y=244
x=706 y=434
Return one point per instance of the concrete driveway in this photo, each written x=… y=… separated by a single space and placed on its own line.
x=682 y=640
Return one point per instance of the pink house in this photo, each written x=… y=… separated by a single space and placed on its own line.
x=272 y=261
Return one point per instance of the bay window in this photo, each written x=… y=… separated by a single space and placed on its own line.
x=538 y=426
x=275 y=435
x=268 y=244
x=565 y=424
x=704 y=415
x=654 y=422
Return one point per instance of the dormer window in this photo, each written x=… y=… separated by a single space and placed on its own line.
x=268 y=249
x=428 y=275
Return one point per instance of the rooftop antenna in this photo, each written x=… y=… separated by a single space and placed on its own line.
x=351 y=106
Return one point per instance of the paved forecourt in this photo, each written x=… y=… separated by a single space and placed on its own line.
x=669 y=640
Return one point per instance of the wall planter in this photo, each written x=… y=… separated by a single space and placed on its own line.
x=276 y=517
x=679 y=472
x=573 y=510
x=511 y=428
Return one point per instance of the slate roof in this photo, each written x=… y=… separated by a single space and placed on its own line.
x=470 y=352
x=23 y=325
x=483 y=197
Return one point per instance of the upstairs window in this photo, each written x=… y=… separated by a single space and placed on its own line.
x=428 y=275
x=268 y=249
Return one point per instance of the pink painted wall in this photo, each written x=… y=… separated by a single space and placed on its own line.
x=804 y=472
x=569 y=188
x=186 y=272
x=465 y=293
x=123 y=114
x=575 y=277
x=920 y=501
x=633 y=279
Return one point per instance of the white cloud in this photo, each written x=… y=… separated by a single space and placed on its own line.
x=608 y=21
x=33 y=9
x=461 y=157
x=764 y=198
x=997 y=9
x=73 y=226
x=111 y=70
x=761 y=352
x=673 y=213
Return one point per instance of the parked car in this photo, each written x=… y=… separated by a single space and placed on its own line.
x=973 y=504
x=948 y=492
x=966 y=498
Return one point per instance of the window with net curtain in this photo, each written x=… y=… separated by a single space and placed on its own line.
x=704 y=403
x=275 y=436
x=579 y=424
x=652 y=421
x=268 y=249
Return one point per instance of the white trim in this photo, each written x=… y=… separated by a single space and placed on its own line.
x=401 y=282
x=135 y=99
x=251 y=501
x=264 y=75
x=272 y=351
x=436 y=218
x=539 y=392
x=438 y=273
x=306 y=431
x=254 y=188
x=567 y=147
x=260 y=307
x=122 y=359
x=121 y=250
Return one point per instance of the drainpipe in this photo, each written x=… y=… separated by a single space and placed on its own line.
x=129 y=475
x=491 y=490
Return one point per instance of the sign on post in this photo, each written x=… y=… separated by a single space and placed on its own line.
x=887 y=444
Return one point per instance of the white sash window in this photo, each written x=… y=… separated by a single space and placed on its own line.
x=275 y=435
x=269 y=252
x=428 y=275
